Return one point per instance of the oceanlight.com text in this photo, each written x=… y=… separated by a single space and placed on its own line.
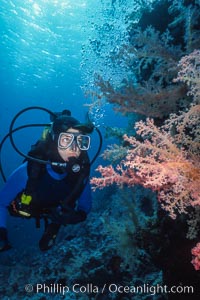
x=111 y=288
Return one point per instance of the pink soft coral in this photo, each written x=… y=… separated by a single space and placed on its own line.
x=157 y=162
x=165 y=159
x=189 y=73
x=196 y=259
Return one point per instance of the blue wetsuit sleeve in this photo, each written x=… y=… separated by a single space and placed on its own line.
x=85 y=200
x=15 y=184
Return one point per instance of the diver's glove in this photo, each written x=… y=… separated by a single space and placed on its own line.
x=4 y=244
x=67 y=216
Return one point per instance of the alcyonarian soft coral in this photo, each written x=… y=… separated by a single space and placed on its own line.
x=165 y=159
x=190 y=73
x=149 y=90
x=196 y=259
x=134 y=70
x=162 y=162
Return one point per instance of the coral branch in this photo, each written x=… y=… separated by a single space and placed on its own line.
x=190 y=73
x=157 y=162
x=196 y=259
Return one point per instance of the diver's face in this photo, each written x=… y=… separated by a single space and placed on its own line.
x=73 y=150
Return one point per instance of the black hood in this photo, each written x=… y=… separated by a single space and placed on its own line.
x=63 y=123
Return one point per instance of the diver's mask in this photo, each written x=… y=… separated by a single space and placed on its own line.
x=66 y=139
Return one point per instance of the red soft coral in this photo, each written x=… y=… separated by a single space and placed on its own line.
x=190 y=73
x=156 y=162
x=165 y=159
x=196 y=259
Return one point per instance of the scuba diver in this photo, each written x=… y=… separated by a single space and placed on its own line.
x=53 y=181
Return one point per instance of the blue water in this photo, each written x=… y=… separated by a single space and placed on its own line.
x=45 y=61
x=41 y=58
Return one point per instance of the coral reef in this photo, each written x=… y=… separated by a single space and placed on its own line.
x=147 y=59
x=166 y=159
x=83 y=255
